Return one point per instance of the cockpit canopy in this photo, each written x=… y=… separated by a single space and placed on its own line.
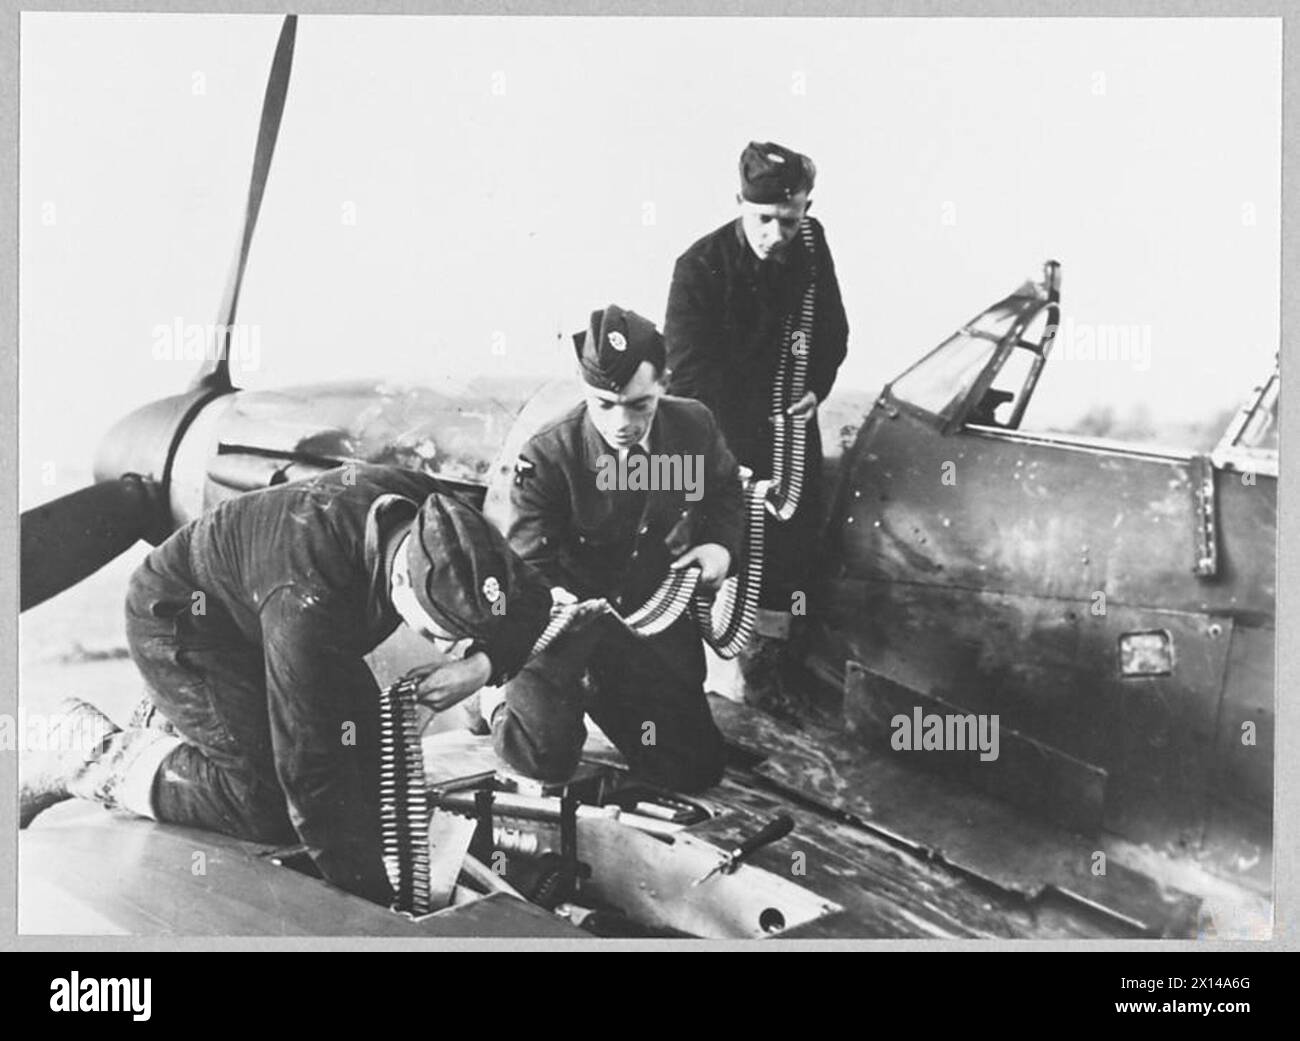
x=985 y=373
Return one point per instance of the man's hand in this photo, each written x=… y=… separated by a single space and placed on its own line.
x=714 y=562
x=803 y=409
x=442 y=686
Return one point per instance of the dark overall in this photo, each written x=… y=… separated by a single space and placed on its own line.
x=646 y=694
x=250 y=626
x=723 y=333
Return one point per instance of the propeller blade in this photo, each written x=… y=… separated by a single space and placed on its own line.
x=65 y=540
x=215 y=372
x=74 y=536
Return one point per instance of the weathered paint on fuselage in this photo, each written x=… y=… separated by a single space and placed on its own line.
x=999 y=570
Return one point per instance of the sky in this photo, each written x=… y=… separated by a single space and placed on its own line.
x=449 y=194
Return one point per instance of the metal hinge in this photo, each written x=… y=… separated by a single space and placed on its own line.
x=1205 y=521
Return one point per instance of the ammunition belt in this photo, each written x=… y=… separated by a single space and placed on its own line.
x=727 y=622
x=790 y=438
x=403 y=800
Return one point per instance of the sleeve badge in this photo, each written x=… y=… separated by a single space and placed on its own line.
x=523 y=470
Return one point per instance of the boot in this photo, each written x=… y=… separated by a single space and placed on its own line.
x=75 y=742
x=772 y=668
x=763 y=667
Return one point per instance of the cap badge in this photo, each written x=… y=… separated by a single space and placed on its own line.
x=492 y=590
x=618 y=341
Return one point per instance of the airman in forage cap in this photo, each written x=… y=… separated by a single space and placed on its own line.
x=587 y=522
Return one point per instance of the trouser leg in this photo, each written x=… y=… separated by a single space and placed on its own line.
x=790 y=557
x=210 y=685
x=771 y=663
x=538 y=729
x=649 y=699
x=121 y=775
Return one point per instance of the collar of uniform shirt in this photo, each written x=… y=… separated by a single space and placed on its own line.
x=643 y=444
